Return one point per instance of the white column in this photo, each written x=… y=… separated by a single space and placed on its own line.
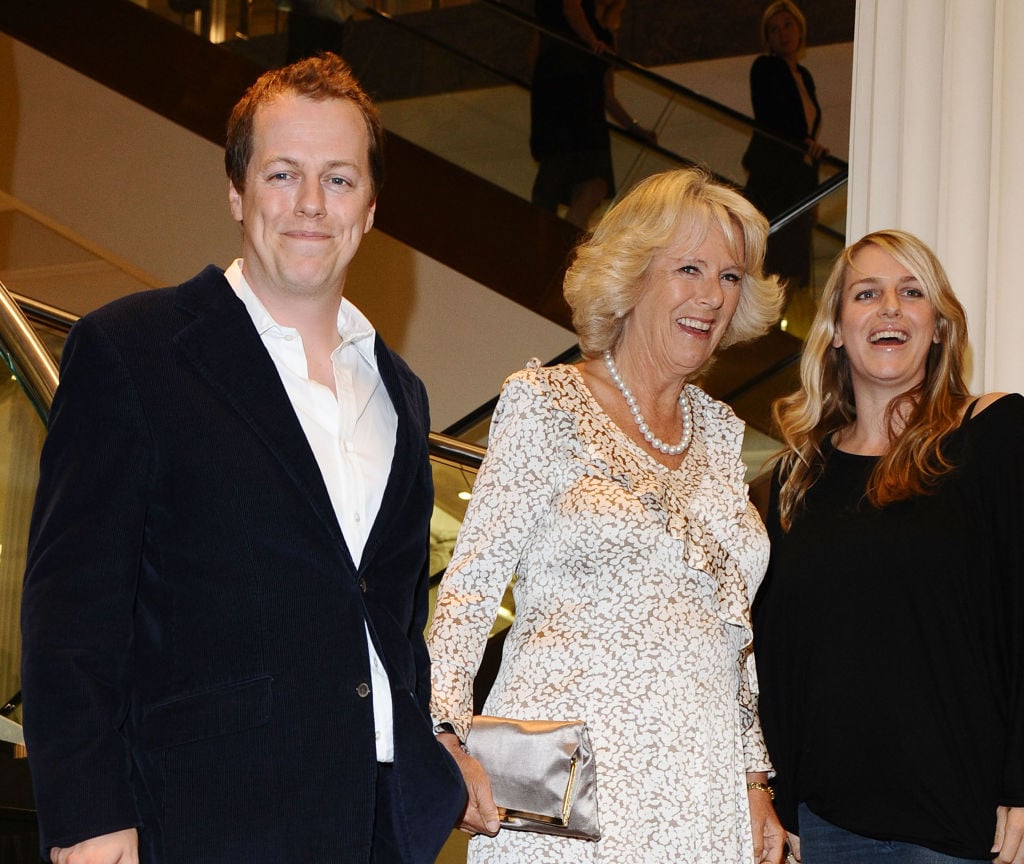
x=937 y=118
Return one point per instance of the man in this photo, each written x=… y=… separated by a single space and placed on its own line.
x=227 y=577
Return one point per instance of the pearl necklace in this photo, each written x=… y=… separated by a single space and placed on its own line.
x=638 y=418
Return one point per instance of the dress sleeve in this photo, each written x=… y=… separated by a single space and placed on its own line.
x=755 y=751
x=512 y=492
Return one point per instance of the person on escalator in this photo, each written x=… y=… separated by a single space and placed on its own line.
x=780 y=173
x=573 y=89
x=227 y=577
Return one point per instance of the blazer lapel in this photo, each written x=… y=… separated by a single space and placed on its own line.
x=223 y=345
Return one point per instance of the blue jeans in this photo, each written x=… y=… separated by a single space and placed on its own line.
x=822 y=842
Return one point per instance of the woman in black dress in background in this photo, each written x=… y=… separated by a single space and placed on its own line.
x=783 y=97
x=573 y=88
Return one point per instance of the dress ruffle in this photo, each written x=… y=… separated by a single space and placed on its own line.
x=708 y=520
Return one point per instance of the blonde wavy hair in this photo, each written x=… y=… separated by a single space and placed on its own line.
x=918 y=420
x=609 y=269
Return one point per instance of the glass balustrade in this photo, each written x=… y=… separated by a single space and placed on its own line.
x=27 y=383
x=20 y=447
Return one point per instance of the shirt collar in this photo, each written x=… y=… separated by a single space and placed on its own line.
x=354 y=327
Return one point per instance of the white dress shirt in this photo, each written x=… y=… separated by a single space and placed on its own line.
x=352 y=436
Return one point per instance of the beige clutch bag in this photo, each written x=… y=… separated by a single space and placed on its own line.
x=542 y=772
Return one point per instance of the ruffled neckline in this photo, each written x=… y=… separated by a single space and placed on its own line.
x=704 y=510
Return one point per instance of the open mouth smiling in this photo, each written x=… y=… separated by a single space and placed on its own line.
x=889 y=337
x=694 y=324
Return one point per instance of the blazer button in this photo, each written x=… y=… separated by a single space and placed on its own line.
x=362 y=584
x=363 y=690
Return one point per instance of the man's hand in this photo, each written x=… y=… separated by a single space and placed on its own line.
x=481 y=814
x=121 y=847
x=1009 y=839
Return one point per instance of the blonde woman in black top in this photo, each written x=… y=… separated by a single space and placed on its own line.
x=889 y=631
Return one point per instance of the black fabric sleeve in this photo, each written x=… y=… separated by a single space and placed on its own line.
x=77 y=610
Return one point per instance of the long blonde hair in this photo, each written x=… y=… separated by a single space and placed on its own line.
x=824 y=404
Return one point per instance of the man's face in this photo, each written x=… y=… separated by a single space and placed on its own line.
x=308 y=197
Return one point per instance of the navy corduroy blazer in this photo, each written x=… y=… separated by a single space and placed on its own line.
x=195 y=659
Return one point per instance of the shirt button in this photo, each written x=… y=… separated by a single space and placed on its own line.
x=356 y=518
x=362 y=584
x=363 y=690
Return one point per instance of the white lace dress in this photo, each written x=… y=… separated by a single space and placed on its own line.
x=632 y=612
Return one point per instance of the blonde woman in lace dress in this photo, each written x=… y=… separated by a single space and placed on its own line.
x=637 y=554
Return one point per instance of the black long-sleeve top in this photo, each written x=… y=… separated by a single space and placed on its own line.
x=890 y=647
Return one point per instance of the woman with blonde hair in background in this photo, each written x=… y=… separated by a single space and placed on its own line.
x=783 y=167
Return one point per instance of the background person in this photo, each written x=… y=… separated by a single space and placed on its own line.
x=227 y=570
x=636 y=555
x=890 y=628
x=783 y=97
x=572 y=91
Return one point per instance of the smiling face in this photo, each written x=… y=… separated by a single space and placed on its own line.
x=308 y=197
x=687 y=301
x=887 y=324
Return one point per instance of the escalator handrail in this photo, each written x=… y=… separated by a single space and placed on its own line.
x=36 y=368
x=799 y=208
x=450 y=449
x=44 y=313
x=570 y=355
x=440 y=444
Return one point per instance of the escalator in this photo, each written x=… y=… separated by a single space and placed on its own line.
x=466 y=69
